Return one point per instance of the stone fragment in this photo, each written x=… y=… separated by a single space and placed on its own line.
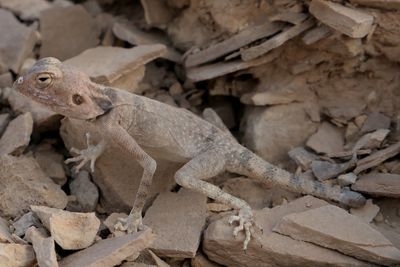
x=324 y=170
x=329 y=226
x=67 y=31
x=383 y=4
x=347 y=179
x=4 y=120
x=375 y=121
x=43 y=246
x=71 y=230
x=26 y=9
x=15 y=45
x=22 y=224
x=328 y=139
x=23 y=183
x=379 y=184
x=17 y=135
x=349 y=21
x=371 y=140
x=273 y=249
x=367 y=213
x=302 y=157
x=177 y=220
x=5 y=233
x=157 y=13
x=51 y=163
x=16 y=255
x=6 y=80
x=289 y=124
x=85 y=191
x=318 y=33
x=113 y=250
x=201 y=261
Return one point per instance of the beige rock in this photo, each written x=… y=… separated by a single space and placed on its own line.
x=43 y=247
x=366 y=213
x=17 y=135
x=274 y=249
x=15 y=45
x=116 y=174
x=178 y=221
x=349 y=21
x=201 y=261
x=347 y=179
x=302 y=157
x=6 y=80
x=328 y=139
x=71 y=230
x=289 y=124
x=51 y=163
x=316 y=34
x=23 y=183
x=26 y=9
x=384 y=4
x=113 y=251
x=16 y=255
x=24 y=222
x=379 y=184
x=85 y=191
x=4 y=120
x=375 y=121
x=67 y=31
x=5 y=232
x=334 y=228
x=157 y=13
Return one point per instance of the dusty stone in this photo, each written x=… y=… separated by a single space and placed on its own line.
x=328 y=139
x=276 y=250
x=347 y=179
x=5 y=233
x=329 y=226
x=324 y=170
x=67 y=31
x=302 y=157
x=4 y=120
x=26 y=9
x=349 y=21
x=379 y=184
x=371 y=140
x=17 y=135
x=85 y=191
x=113 y=250
x=289 y=124
x=22 y=224
x=6 y=80
x=107 y=65
x=116 y=174
x=44 y=248
x=177 y=220
x=384 y=4
x=14 y=255
x=157 y=13
x=51 y=163
x=316 y=34
x=15 y=45
x=375 y=121
x=201 y=261
x=71 y=230
x=366 y=213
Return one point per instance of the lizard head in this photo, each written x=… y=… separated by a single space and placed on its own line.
x=63 y=89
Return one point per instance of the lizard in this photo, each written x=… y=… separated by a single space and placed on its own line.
x=149 y=129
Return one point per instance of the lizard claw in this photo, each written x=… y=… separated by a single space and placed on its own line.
x=89 y=154
x=245 y=219
x=131 y=224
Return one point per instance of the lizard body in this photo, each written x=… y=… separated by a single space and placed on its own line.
x=149 y=129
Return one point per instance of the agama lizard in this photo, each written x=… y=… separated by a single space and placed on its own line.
x=149 y=129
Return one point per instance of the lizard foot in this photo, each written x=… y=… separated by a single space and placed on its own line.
x=89 y=154
x=245 y=220
x=131 y=224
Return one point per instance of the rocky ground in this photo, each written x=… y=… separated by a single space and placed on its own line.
x=312 y=86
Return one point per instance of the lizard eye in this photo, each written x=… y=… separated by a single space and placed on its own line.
x=43 y=80
x=77 y=99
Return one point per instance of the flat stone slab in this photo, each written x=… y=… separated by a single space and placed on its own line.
x=110 y=251
x=328 y=139
x=332 y=227
x=17 y=135
x=379 y=184
x=178 y=220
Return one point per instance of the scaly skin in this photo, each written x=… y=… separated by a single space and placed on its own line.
x=149 y=129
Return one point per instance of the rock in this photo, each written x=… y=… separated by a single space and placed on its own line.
x=178 y=221
x=43 y=247
x=375 y=121
x=16 y=255
x=26 y=9
x=302 y=157
x=15 y=45
x=201 y=261
x=23 y=183
x=347 y=179
x=67 y=31
x=350 y=21
x=93 y=7
x=85 y=191
x=274 y=249
x=51 y=163
x=113 y=250
x=71 y=230
x=366 y=213
x=17 y=135
x=116 y=174
x=379 y=184
x=114 y=65
x=43 y=119
x=5 y=233
x=6 y=80
x=157 y=13
x=384 y=4
x=289 y=124
x=22 y=224
x=324 y=170
x=329 y=226
x=328 y=139
x=4 y=120
x=371 y=140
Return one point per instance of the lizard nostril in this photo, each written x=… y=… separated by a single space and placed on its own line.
x=77 y=99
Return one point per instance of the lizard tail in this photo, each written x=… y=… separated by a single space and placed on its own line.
x=255 y=167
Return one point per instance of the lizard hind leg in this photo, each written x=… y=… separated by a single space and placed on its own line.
x=205 y=166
